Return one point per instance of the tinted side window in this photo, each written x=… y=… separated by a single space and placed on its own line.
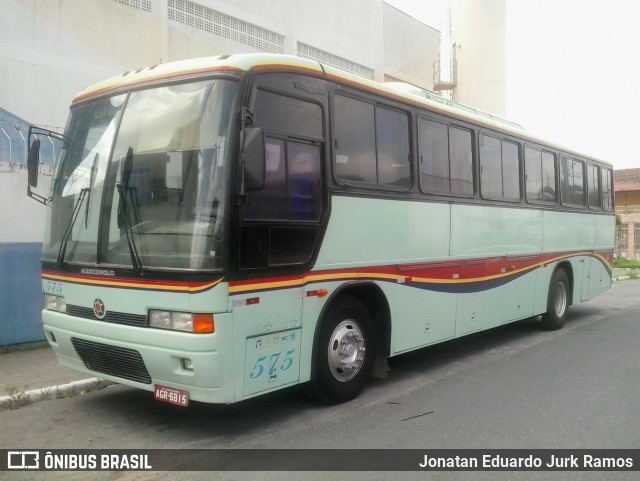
x=434 y=156
x=392 y=138
x=446 y=158
x=270 y=203
x=533 y=173
x=607 y=189
x=572 y=181
x=593 y=187
x=540 y=175
x=461 y=158
x=355 y=140
x=293 y=185
x=491 y=167
x=371 y=143
x=549 y=177
x=286 y=114
x=510 y=171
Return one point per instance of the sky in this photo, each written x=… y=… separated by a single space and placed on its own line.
x=573 y=69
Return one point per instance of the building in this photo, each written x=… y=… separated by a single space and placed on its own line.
x=627 y=197
x=52 y=49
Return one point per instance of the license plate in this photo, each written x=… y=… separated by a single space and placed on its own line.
x=170 y=395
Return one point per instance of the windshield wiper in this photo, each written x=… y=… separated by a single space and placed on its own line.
x=123 y=188
x=67 y=232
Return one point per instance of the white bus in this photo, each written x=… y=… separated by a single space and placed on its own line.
x=224 y=227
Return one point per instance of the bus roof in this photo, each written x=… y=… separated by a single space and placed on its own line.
x=240 y=63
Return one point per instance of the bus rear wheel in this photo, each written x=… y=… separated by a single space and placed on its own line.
x=557 y=301
x=345 y=351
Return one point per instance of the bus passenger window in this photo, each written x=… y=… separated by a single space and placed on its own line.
x=499 y=169
x=371 y=143
x=607 y=190
x=491 y=168
x=572 y=181
x=292 y=190
x=392 y=136
x=540 y=175
x=446 y=159
x=355 y=140
x=270 y=203
x=434 y=157
x=305 y=199
x=593 y=190
x=461 y=159
x=549 y=177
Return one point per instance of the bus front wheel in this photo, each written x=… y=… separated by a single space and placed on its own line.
x=557 y=301
x=345 y=351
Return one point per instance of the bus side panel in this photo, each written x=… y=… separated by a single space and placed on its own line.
x=604 y=232
x=481 y=232
x=421 y=317
x=484 y=231
x=604 y=239
x=564 y=232
x=369 y=232
x=267 y=324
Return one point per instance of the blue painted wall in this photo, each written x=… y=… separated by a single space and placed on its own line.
x=21 y=298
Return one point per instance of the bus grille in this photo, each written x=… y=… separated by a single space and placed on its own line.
x=114 y=317
x=112 y=360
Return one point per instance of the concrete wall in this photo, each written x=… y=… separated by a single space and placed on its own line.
x=410 y=56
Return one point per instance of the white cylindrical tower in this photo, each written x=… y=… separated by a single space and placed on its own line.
x=479 y=41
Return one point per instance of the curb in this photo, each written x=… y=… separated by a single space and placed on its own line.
x=19 y=399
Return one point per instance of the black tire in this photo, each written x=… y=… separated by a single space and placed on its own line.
x=345 y=349
x=558 y=302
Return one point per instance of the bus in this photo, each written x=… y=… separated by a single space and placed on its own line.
x=225 y=227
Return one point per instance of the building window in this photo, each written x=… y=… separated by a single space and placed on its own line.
x=622 y=241
x=211 y=21
x=327 y=58
x=144 y=5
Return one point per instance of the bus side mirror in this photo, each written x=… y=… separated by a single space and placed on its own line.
x=254 y=159
x=33 y=162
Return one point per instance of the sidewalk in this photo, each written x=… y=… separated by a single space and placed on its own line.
x=31 y=373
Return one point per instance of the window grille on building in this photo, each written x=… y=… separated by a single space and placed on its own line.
x=327 y=58
x=144 y=5
x=622 y=239
x=217 y=23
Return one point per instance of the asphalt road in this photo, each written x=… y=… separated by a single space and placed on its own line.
x=512 y=387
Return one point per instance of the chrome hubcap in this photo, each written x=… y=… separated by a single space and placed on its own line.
x=560 y=299
x=346 y=350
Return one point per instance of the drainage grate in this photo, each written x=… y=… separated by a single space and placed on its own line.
x=112 y=360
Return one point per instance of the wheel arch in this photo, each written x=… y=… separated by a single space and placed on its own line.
x=568 y=270
x=374 y=299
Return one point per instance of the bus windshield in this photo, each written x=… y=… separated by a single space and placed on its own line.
x=144 y=178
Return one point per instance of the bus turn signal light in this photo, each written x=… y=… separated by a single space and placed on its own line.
x=203 y=323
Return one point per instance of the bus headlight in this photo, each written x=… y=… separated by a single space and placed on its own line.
x=181 y=321
x=55 y=303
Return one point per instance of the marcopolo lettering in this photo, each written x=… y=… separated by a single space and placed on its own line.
x=98 y=272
